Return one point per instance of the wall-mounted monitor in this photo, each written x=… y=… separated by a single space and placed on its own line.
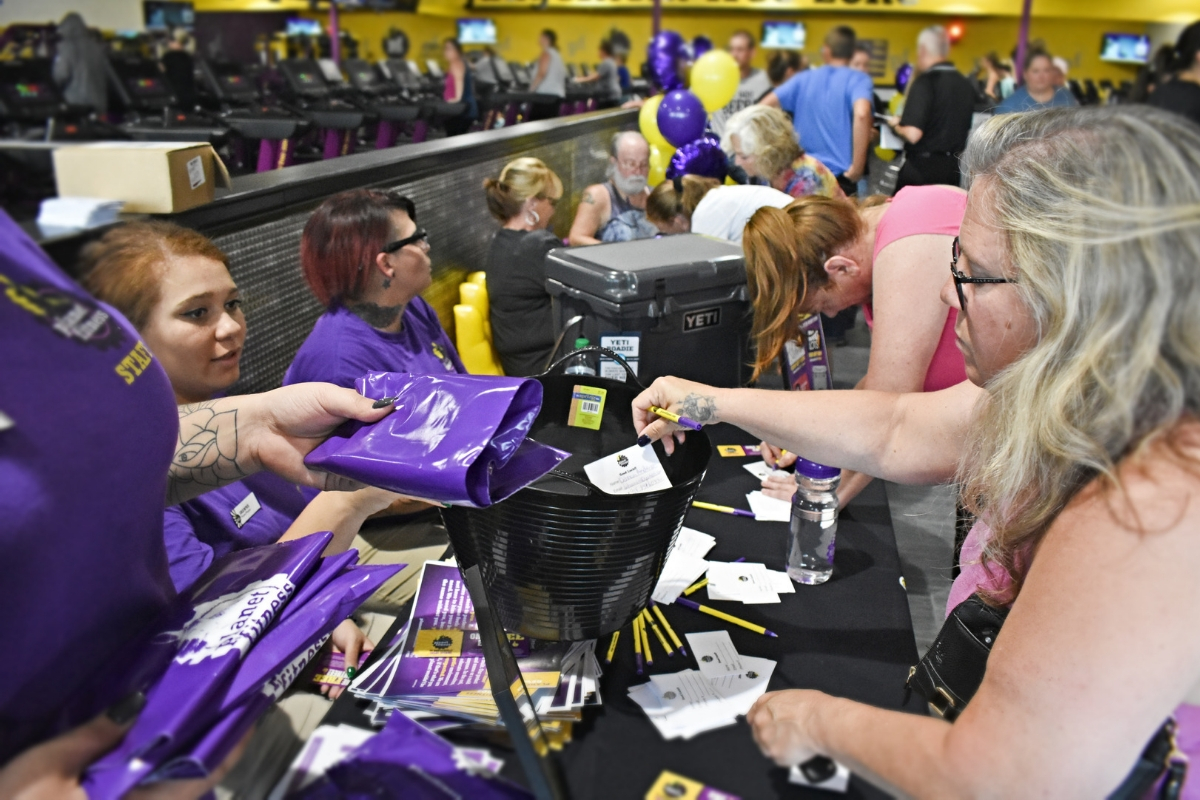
x=476 y=31
x=783 y=35
x=162 y=16
x=1125 y=48
x=299 y=26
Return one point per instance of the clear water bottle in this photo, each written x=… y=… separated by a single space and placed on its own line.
x=582 y=363
x=814 y=523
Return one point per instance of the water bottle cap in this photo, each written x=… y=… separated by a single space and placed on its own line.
x=811 y=469
x=581 y=342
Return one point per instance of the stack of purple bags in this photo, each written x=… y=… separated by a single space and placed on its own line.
x=455 y=439
x=225 y=651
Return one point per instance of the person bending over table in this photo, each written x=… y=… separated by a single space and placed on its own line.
x=1077 y=444
x=703 y=205
x=615 y=211
x=822 y=255
x=92 y=447
x=764 y=143
x=366 y=261
x=173 y=284
x=523 y=199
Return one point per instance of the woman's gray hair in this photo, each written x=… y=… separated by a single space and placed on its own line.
x=1100 y=210
x=767 y=134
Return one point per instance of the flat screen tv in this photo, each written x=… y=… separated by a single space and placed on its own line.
x=1125 y=48
x=299 y=26
x=783 y=35
x=476 y=31
x=162 y=16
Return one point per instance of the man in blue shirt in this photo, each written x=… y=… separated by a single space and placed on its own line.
x=1039 y=90
x=831 y=107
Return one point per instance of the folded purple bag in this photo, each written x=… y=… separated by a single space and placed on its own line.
x=271 y=666
x=225 y=613
x=458 y=439
x=405 y=761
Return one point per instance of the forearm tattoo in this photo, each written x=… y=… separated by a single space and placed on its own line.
x=206 y=454
x=702 y=408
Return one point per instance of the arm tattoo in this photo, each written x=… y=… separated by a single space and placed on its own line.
x=206 y=453
x=587 y=198
x=702 y=408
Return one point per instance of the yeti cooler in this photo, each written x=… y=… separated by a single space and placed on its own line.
x=672 y=306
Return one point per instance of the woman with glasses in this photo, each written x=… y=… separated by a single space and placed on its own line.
x=1076 y=443
x=367 y=262
x=523 y=199
x=824 y=255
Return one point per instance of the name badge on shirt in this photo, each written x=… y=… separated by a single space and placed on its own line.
x=244 y=510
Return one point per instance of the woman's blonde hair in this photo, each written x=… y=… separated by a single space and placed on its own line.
x=1101 y=212
x=765 y=133
x=786 y=250
x=664 y=203
x=520 y=180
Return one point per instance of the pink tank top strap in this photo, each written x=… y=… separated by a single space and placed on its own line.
x=919 y=210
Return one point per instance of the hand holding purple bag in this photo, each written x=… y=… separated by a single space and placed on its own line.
x=457 y=439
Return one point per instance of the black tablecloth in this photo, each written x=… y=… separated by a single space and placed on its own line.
x=851 y=636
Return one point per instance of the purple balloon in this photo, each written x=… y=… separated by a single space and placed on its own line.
x=662 y=55
x=703 y=157
x=903 y=76
x=681 y=117
x=701 y=45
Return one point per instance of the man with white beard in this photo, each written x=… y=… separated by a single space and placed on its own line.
x=615 y=211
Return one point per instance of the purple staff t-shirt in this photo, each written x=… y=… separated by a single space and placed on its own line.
x=250 y=513
x=342 y=348
x=87 y=435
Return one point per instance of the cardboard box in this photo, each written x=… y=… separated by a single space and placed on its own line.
x=150 y=177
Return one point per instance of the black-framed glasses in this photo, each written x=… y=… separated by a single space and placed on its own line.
x=419 y=235
x=960 y=279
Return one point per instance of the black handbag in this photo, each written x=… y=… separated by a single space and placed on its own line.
x=949 y=674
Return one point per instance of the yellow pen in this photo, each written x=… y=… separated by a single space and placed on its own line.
x=637 y=643
x=695 y=587
x=723 y=509
x=645 y=641
x=712 y=612
x=667 y=627
x=658 y=633
x=671 y=416
x=612 y=648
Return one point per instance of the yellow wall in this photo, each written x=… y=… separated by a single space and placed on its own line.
x=580 y=32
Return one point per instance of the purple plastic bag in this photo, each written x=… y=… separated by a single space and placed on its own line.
x=271 y=666
x=405 y=761
x=226 y=612
x=458 y=439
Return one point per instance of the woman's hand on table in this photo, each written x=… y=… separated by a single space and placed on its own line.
x=349 y=640
x=776 y=457
x=780 y=486
x=696 y=401
x=783 y=725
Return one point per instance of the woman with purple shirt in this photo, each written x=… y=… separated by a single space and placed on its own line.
x=366 y=260
x=91 y=449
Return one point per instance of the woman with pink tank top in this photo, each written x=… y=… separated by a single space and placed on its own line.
x=1076 y=440
x=889 y=256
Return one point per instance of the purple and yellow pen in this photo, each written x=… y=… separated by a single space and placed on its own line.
x=671 y=416
x=737 y=512
x=712 y=612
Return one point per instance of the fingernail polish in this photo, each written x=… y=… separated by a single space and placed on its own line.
x=351 y=672
x=643 y=441
x=384 y=402
x=126 y=710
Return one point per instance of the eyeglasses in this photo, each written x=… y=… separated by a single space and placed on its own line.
x=960 y=279
x=419 y=236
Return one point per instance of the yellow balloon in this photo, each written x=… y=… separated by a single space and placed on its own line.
x=885 y=154
x=660 y=158
x=648 y=122
x=715 y=78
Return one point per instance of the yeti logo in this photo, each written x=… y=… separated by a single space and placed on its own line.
x=701 y=319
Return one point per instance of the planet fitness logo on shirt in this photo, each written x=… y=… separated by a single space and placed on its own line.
x=65 y=314
x=233 y=621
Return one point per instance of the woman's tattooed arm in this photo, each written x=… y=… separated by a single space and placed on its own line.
x=206 y=453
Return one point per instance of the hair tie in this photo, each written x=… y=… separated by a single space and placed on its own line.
x=677 y=182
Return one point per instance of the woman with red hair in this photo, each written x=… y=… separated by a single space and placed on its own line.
x=367 y=262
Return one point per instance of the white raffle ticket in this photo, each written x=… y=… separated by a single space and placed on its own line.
x=634 y=470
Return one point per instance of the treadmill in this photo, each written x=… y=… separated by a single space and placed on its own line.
x=240 y=107
x=149 y=109
x=386 y=101
x=322 y=104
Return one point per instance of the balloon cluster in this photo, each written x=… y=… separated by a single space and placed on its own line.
x=678 y=117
